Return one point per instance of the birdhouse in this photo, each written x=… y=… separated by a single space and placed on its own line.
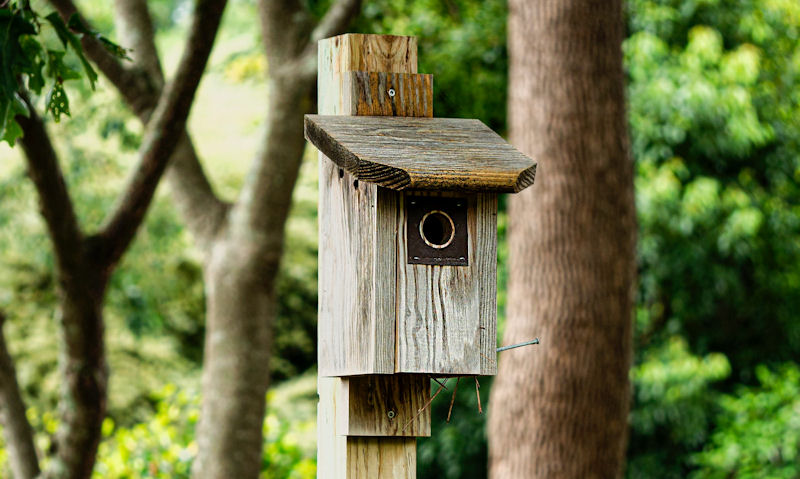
x=408 y=235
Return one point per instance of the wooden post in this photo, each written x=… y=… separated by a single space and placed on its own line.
x=367 y=424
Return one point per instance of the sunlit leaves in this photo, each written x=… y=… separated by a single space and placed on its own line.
x=758 y=432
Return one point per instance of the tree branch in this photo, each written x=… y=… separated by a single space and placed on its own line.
x=54 y=201
x=267 y=192
x=336 y=19
x=164 y=131
x=202 y=210
x=133 y=84
x=17 y=430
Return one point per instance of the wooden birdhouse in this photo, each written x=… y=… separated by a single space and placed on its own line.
x=408 y=233
x=407 y=251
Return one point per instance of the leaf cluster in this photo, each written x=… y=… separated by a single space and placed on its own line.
x=33 y=50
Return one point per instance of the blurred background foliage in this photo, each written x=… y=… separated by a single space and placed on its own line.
x=714 y=112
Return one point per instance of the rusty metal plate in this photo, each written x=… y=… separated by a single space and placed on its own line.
x=436 y=230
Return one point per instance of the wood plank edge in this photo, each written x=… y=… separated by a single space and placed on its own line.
x=525 y=178
x=381 y=175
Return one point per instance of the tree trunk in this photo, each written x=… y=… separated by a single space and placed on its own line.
x=85 y=379
x=17 y=431
x=240 y=278
x=560 y=409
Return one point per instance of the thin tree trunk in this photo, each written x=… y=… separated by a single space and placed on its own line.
x=560 y=409
x=243 y=241
x=16 y=429
x=240 y=278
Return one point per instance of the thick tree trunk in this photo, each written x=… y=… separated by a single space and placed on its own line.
x=560 y=409
x=85 y=375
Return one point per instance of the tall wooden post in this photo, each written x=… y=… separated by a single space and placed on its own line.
x=367 y=424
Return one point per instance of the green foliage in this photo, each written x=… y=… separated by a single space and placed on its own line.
x=461 y=42
x=714 y=119
x=714 y=115
x=456 y=450
x=163 y=445
x=672 y=407
x=758 y=430
x=25 y=48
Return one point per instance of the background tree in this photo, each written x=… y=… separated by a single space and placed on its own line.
x=561 y=409
x=84 y=262
x=243 y=241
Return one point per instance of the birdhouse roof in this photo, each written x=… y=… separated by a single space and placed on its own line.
x=421 y=153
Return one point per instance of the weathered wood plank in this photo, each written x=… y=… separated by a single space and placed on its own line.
x=331 y=447
x=389 y=94
x=356 y=276
x=387 y=405
x=369 y=53
x=340 y=200
x=446 y=314
x=356 y=219
x=384 y=458
x=422 y=153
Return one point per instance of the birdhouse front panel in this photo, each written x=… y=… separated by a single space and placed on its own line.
x=446 y=303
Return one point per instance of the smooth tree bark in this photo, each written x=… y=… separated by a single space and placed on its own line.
x=560 y=409
x=242 y=240
x=84 y=264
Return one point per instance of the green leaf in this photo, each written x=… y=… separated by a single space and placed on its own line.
x=76 y=24
x=69 y=39
x=12 y=63
x=57 y=101
x=9 y=128
x=57 y=69
x=37 y=58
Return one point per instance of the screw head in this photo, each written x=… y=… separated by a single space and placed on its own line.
x=391 y=92
x=391 y=414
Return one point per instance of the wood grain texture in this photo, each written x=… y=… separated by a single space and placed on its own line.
x=356 y=330
x=389 y=94
x=572 y=244
x=384 y=458
x=342 y=456
x=368 y=53
x=357 y=273
x=331 y=447
x=422 y=153
x=367 y=400
x=447 y=314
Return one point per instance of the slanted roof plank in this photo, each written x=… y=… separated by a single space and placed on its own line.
x=421 y=153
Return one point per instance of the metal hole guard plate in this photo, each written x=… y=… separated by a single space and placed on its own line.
x=454 y=254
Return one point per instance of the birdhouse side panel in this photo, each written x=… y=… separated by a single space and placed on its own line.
x=447 y=313
x=356 y=275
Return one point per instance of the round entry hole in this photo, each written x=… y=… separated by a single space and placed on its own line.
x=437 y=229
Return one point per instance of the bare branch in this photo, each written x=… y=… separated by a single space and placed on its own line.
x=135 y=28
x=164 y=131
x=202 y=210
x=17 y=430
x=54 y=200
x=336 y=19
x=335 y=22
